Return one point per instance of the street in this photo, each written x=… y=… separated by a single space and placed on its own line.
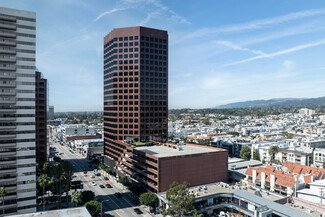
x=115 y=206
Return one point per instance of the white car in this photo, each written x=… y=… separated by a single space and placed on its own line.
x=92 y=176
x=93 y=183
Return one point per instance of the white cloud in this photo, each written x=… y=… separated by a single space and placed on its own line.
x=288 y=64
x=257 y=24
x=279 y=53
x=211 y=83
x=109 y=12
x=237 y=47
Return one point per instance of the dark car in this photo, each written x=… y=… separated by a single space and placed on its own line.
x=97 y=174
x=106 y=178
x=118 y=194
x=137 y=211
x=101 y=186
x=85 y=171
x=108 y=186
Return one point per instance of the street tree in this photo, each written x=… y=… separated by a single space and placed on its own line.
x=256 y=155
x=87 y=196
x=3 y=193
x=93 y=207
x=180 y=200
x=245 y=153
x=272 y=151
x=76 y=198
x=43 y=182
x=149 y=199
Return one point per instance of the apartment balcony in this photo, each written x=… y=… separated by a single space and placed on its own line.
x=7 y=34
x=7 y=111
x=8 y=153
x=3 y=181
x=7 y=94
x=7 y=85
x=9 y=26
x=8 y=171
x=7 y=50
x=7 y=42
x=7 y=76
x=8 y=67
x=6 y=18
x=11 y=162
x=2 y=128
x=8 y=59
x=8 y=145
x=7 y=119
x=5 y=137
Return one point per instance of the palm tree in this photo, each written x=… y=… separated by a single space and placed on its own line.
x=67 y=173
x=56 y=173
x=76 y=197
x=43 y=181
x=3 y=193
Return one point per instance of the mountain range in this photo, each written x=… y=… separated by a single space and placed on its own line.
x=278 y=102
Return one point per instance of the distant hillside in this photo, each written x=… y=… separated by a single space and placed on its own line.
x=281 y=102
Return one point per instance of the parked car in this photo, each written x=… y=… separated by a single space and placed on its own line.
x=108 y=186
x=106 y=178
x=92 y=176
x=101 y=186
x=137 y=211
x=85 y=171
x=93 y=183
x=97 y=174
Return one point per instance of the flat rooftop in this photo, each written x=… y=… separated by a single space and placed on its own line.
x=161 y=151
x=71 y=212
x=221 y=187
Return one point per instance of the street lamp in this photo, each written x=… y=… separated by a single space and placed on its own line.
x=101 y=207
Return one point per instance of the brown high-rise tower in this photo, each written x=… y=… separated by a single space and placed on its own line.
x=41 y=118
x=135 y=87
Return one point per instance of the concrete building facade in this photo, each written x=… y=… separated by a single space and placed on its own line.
x=17 y=102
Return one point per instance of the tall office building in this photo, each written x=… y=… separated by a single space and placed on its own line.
x=17 y=105
x=135 y=87
x=41 y=118
x=51 y=112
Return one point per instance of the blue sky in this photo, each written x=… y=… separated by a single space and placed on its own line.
x=219 y=51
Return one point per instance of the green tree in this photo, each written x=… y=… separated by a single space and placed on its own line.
x=256 y=155
x=93 y=207
x=43 y=182
x=149 y=199
x=66 y=178
x=180 y=200
x=272 y=151
x=171 y=137
x=87 y=196
x=312 y=155
x=76 y=198
x=3 y=193
x=245 y=153
x=233 y=133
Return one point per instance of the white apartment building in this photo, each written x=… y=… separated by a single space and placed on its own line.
x=299 y=155
x=17 y=116
x=70 y=130
x=319 y=157
x=306 y=111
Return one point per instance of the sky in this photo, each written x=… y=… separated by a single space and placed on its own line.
x=219 y=51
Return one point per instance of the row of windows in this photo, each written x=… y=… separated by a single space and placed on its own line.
x=156 y=57
x=121 y=103
x=19 y=18
x=153 y=45
x=151 y=68
x=128 y=44
x=121 y=97
x=121 y=56
x=147 y=50
x=121 y=86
